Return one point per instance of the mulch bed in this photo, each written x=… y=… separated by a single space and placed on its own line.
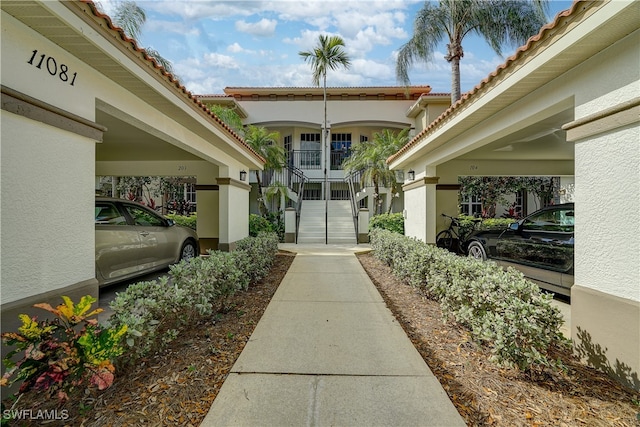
x=488 y=395
x=178 y=386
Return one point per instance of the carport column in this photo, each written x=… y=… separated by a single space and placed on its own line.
x=430 y=183
x=234 y=212
x=208 y=211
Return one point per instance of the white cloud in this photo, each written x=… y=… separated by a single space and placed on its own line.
x=263 y=28
x=214 y=59
x=236 y=48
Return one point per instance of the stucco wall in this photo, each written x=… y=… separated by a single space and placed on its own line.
x=607 y=181
x=415 y=210
x=47 y=203
x=337 y=111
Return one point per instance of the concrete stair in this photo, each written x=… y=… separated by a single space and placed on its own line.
x=340 y=222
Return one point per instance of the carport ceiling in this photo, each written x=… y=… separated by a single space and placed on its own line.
x=126 y=142
x=544 y=140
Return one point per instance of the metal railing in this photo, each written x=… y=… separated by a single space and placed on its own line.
x=312 y=159
x=305 y=159
x=294 y=179
x=353 y=181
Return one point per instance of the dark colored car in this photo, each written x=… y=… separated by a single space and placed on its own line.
x=540 y=245
x=132 y=240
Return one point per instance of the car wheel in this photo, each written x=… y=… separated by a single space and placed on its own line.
x=188 y=251
x=444 y=240
x=476 y=250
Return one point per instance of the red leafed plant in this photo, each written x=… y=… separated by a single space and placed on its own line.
x=65 y=352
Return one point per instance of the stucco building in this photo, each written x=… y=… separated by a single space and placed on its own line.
x=566 y=104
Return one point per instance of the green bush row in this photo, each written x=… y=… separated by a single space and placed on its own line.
x=467 y=223
x=190 y=221
x=393 y=222
x=155 y=311
x=500 y=307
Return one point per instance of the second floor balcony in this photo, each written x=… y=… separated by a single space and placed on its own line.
x=312 y=159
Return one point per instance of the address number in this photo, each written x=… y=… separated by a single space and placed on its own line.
x=49 y=63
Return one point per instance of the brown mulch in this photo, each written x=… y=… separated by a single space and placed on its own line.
x=178 y=386
x=488 y=395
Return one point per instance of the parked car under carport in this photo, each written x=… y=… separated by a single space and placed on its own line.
x=540 y=245
x=133 y=240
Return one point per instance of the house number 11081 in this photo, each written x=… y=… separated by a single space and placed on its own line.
x=51 y=65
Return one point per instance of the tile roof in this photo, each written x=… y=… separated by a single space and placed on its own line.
x=520 y=52
x=169 y=78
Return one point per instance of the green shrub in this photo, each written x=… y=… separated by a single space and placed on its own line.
x=467 y=223
x=259 y=224
x=190 y=221
x=392 y=222
x=500 y=307
x=254 y=256
x=63 y=353
x=156 y=311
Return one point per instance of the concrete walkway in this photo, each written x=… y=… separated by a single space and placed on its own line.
x=328 y=352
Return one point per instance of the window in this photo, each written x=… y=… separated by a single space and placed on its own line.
x=364 y=138
x=340 y=141
x=310 y=151
x=108 y=214
x=144 y=217
x=551 y=220
x=471 y=205
x=310 y=141
x=190 y=193
x=340 y=149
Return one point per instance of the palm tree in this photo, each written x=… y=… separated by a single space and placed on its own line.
x=327 y=55
x=131 y=17
x=499 y=22
x=371 y=156
x=265 y=143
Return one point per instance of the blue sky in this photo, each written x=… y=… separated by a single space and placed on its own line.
x=215 y=44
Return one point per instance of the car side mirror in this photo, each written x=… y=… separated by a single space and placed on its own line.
x=514 y=226
x=170 y=222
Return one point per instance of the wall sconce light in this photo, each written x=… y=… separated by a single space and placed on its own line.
x=243 y=175
x=412 y=175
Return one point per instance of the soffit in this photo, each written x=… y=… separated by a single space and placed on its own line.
x=491 y=94
x=35 y=15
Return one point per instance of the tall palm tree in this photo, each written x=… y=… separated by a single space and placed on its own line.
x=131 y=17
x=499 y=22
x=327 y=55
x=371 y=156
x=265 y=143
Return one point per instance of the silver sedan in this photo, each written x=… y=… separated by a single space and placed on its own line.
x=132 y=240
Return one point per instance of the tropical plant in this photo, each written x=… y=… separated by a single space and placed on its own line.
x=229 y=116
x=493 y=189
x=131 y=18
x=265 y=143
x=327 y=55
x=65 y=352
x=499 y=22
x=371 y=156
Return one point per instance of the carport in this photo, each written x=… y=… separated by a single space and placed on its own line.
x=79 y=100
x=566 y=104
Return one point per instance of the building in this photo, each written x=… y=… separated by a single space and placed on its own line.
x=79 y=100
x=566 y=104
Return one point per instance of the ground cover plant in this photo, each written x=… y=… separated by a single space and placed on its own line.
x=176 y=386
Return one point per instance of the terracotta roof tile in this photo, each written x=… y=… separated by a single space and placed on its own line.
x=533 y=41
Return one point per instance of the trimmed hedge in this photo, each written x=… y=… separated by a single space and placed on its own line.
x=500 y=307
x=194 y=290
x=392 y=222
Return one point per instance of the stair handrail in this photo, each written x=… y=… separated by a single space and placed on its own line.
x=350 y=179
x=288 y=175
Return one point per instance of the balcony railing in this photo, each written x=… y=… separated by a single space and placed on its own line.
x=305 y=159
x=312 y=159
